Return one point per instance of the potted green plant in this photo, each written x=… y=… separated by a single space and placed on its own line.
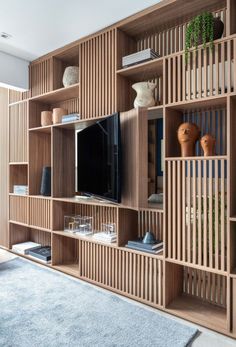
x=203 y=29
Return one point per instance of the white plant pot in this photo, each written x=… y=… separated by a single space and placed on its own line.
x=70 y=76
x=144 y=92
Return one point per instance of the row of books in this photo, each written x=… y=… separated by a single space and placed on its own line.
x=153 y=248
x=72 y=117
x=20 y=189
x=34 y=250
x=139 y=57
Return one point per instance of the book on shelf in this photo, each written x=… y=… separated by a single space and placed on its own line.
x=139 y=57
x=105 y=237
x=152 y=251
x=25 y=247
x=70 y=117
x=150 y=246
x=42 y=253
x=20 y=189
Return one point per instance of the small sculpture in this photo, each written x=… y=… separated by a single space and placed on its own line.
x=208 y=143
x=188 y=134
x=70 y=76
x=144 y=92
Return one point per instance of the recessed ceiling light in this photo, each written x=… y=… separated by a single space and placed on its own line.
x=5 y=35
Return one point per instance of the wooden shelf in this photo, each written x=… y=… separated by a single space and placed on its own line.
x=30 y=258
x=215 y=157
x=144 y=71
x=70 y=269
x=156 y=256
x=199 y=312
x=58 y=95
x=209 y=101
x=85 y=238
x=18 y=163
x=46 y=129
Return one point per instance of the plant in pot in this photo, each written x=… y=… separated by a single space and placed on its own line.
x=203 y=29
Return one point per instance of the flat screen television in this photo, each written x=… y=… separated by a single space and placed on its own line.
x=99 y=159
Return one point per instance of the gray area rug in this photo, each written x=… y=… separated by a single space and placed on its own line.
x=39 y=307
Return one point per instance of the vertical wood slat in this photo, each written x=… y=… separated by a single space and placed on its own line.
x=18 y=127
x=207 y=73
x=18 y=209
x=202 y=213
x=135 y=274
x=150 y=220
x=206 y=286
x=41 y=77
x=97 y=64
x=40 y=213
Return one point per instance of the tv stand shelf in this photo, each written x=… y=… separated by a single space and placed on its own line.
x=194 y=277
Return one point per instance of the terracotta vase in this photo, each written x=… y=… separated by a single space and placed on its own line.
x=70 y=76
x=57 y=114
x=144 y=92
x=188 y=134
x=208 y=144
x=46 y=118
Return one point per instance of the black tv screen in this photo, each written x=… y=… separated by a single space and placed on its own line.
x=99 y=159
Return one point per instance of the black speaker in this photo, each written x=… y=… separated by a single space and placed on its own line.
x=46 y=181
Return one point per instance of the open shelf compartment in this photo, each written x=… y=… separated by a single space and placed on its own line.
x=18 y=176
x=197 y=295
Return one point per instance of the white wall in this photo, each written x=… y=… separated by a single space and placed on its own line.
x=14 y=72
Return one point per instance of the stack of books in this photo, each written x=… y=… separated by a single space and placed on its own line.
x=25 y=247
x=139 y=57
x=72 y=117
x=20 y=189
x=44 y=254
x=105 y=237
x=153 y=248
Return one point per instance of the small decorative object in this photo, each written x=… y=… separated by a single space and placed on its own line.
x=208 y=143
x=71 y=223
x=46 y=181
x=188 y=134
x=70 y=76
x=202 y=29
x=57 y=114
x=144 y=92
x=139 y=57
x=149 y=238
x=156 y=198
x=85 y=226
x=46 y=118
x=108 y=233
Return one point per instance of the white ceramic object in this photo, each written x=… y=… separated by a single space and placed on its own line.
x=144 y=92
x=70 y=76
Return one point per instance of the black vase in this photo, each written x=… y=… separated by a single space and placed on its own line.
x=218 y=28
x=46 y=181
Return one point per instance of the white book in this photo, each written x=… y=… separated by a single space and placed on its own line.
x=25 y=247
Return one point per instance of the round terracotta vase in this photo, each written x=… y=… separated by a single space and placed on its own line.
x=70 y=76
x=144 y=92
x=46 y=118
x=57 y=114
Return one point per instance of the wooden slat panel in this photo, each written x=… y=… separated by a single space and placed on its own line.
x=136 y=275
x=41 y=77
x=152 y=221
x=18 y=206
x=18 y=127
x=40 y=213
x=97 y=63
x=203 y=212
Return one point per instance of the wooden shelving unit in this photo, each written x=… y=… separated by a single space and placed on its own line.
x=194 y=277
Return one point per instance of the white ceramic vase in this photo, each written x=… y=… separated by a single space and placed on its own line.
x=144 y=92
x=70 y=76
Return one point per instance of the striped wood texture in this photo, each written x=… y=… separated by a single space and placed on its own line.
x=40 y=213
x=18 y=127
x=18 y=209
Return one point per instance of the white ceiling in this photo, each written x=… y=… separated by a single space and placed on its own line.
x=40 y=26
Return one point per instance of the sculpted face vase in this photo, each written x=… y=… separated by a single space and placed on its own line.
x=188 y=134
x=208 y=143
x=144 y=92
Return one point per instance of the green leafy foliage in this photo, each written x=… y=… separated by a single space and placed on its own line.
x=199 y=29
